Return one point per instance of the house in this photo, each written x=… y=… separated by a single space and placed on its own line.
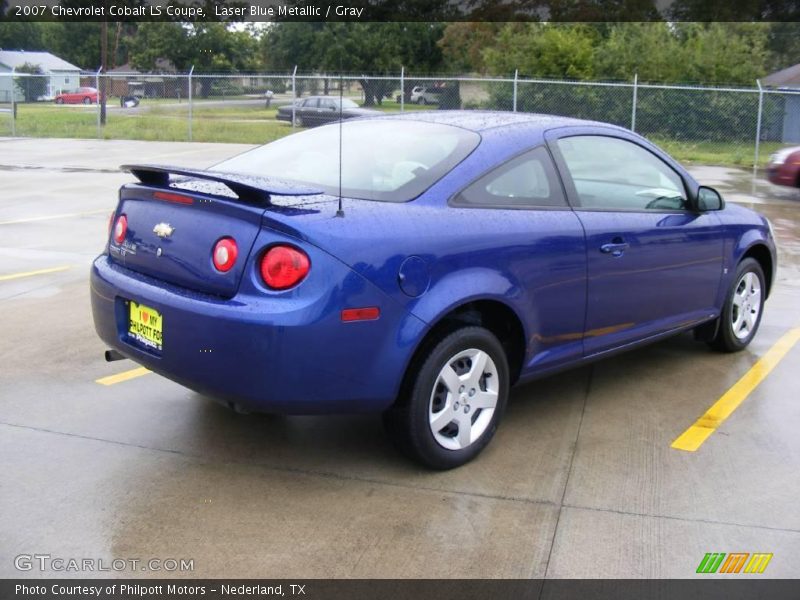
x=61 y=75
x=786 y=83
x=127 y=81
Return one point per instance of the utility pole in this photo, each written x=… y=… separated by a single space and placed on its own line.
x=103 y=65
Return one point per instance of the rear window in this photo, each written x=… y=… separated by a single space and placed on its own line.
x=385 y=160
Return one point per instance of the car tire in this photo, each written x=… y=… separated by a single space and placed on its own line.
x=87 y=100
x=474 y=362
x=744 y=305
x=298 y=121
x=59 y=101
x=421 y=100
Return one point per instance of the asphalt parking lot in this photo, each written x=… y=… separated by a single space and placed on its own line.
x=101 y=461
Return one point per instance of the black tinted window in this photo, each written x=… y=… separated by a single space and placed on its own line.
x=611 y=173
x=527 y=180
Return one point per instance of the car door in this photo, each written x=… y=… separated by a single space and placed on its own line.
x=308 y=111
x=328 y=110
x=653 y=262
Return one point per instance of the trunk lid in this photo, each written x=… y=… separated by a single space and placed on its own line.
x=173 y=225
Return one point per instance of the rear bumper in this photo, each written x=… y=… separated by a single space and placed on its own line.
x=280 y=353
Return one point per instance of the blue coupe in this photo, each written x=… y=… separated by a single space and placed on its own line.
x=421 y=265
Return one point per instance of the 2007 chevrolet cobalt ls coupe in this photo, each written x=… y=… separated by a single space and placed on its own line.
x=440 y=259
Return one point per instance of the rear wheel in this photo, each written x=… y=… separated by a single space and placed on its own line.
x=59 y=101
x=453 y=403
x=744 y=304
x=87 y=100
x=421 y=100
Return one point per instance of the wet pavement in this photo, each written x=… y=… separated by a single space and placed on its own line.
x=580 y=480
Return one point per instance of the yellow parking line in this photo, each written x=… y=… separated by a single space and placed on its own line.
x=691 y=439
x=62 y=216
x=30 y=273
x=124 y=376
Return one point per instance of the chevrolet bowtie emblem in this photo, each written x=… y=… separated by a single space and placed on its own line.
x=163 y=230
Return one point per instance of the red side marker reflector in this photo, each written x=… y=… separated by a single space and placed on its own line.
x=176 y=198
x=369 y=313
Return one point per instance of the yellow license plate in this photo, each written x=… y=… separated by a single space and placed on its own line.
x=146 y=325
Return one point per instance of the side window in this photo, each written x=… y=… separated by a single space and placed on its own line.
x=611 y=173
x=327 y=104
x=310 y=103
x=527 y=180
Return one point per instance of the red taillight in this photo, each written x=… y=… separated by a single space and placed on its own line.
x=120 y=229
x=224 y=254
x=283 y=267
x=369 y=313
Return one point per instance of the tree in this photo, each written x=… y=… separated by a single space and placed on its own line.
x=462 y=45
x=783 y=45
x=653 y=50
x=726 y=53
x=20 y=35
x=76 y=42
x=33 y=87
x=360 y=48
x=544 y=50
x=209 y=47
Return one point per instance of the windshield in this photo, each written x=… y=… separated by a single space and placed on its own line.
x=387 y=160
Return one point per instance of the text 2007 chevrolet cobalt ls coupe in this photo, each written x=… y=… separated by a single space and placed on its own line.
x=472 y=251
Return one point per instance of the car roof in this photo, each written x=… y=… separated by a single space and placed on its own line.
x=483 y=120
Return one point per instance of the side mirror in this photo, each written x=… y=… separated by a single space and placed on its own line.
x=709 y=199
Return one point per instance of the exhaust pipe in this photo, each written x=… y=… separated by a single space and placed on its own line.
x=112 y=355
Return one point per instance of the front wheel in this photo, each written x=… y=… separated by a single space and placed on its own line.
x=744 y=305
x=452 y=405
x=87 y=100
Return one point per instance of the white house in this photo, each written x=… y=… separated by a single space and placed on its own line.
x=61 y=75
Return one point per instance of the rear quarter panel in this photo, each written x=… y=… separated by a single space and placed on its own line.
x=531 y=260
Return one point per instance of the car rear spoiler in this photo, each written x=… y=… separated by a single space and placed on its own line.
x=256 y=190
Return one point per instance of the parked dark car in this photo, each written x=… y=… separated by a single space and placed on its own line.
x=318 y=110
x=784 y=167
x=472 y=251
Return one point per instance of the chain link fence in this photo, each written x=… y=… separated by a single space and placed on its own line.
x=739 y=126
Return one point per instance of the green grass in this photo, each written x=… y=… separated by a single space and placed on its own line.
x=255 y=124
x=211 y=124
x=728 y=154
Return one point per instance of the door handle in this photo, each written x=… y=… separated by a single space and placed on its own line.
x=616 y=248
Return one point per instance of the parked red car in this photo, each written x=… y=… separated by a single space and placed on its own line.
x=784 y=167
x=84 y=95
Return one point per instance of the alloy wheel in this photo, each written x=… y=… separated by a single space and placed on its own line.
x=746 y=305
x=463 y=399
